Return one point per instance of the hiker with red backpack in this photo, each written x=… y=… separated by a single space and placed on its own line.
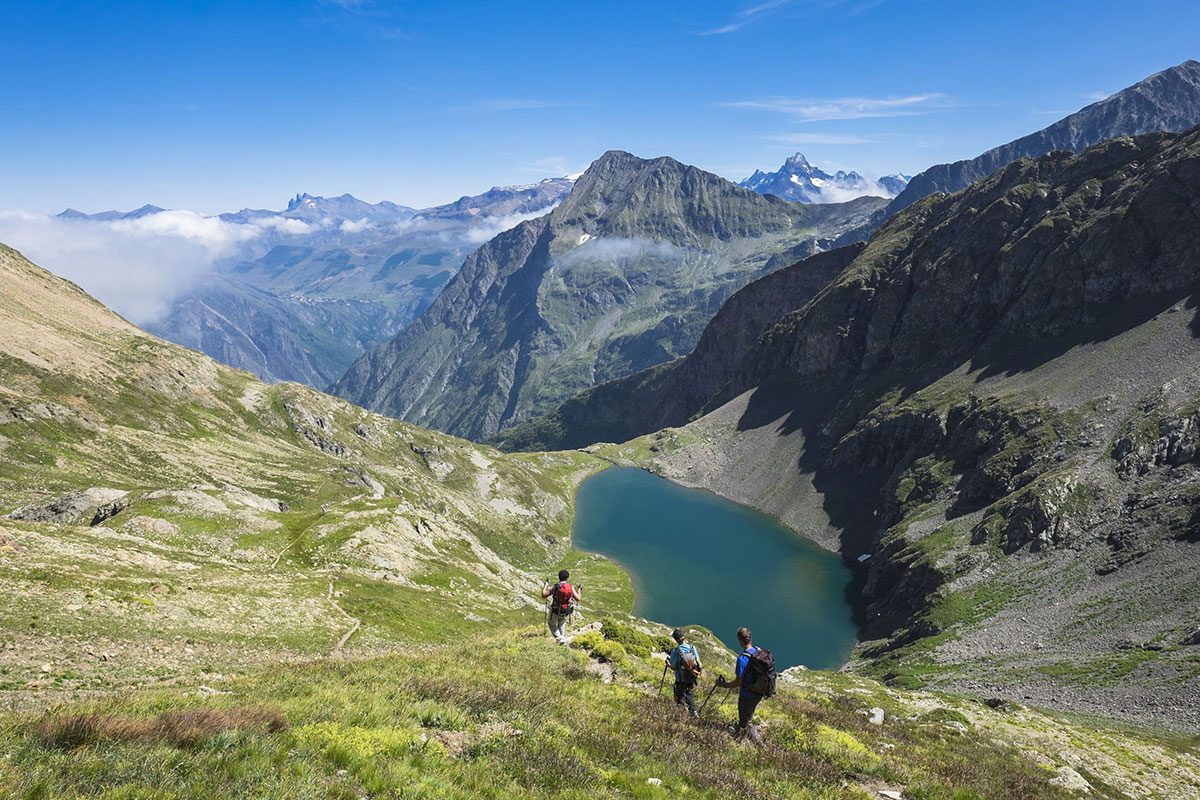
x=685 y=660
x=755 y=678
x=562 y=605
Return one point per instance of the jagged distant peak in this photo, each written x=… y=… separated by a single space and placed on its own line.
x=799 y=181
x=109 y=216
x=797 y=160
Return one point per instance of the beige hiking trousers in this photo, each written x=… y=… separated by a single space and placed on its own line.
x=558 y=626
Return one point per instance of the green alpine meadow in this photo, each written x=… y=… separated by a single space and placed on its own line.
x=809 y=410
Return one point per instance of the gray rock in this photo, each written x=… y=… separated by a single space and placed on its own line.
x=87 y=507
x=1071 y=780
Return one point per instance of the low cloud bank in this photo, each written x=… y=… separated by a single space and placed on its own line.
x=621 y=249
x=139 y=266
x=831 y=193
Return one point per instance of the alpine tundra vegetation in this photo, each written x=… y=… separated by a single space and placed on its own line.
x=261 y=590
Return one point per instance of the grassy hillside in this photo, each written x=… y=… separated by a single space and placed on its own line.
x=171 y=519
x=513 y=715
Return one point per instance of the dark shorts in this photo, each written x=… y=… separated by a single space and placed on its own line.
x=746 y=706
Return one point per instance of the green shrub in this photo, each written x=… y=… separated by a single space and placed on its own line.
x=632 y=640
x=611 y=651
x=945 y=715
x=587 y=641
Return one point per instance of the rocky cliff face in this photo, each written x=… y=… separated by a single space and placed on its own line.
x=994 y=404
x=1166 y=101
x=622 y=276
x=671 y=394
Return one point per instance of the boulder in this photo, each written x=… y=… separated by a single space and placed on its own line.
x=87 y=507
x=1071 y=780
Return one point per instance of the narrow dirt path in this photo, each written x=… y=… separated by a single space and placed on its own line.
x=337 y=648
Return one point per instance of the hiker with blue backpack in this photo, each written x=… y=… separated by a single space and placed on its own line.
x=685 y=660
x=755 y=679
x=562 y=605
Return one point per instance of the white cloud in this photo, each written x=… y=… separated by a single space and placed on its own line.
x=349 y=226
x=621 y=249
x=138 y=266
x=818 y=138
x=747 y=15
x=491 y=227
x=817 y=109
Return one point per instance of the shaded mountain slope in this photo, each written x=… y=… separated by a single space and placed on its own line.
x=671 y=394
x=276 y=338
x=623 y=275
x=995 y=403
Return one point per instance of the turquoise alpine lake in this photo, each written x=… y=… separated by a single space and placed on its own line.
x=697 y=559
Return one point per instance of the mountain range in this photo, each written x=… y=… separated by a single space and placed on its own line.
x=800 y=182
x=672 y=394
x=310 y=303
x=622 y=275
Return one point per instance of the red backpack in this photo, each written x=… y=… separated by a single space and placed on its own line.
x=563 y=602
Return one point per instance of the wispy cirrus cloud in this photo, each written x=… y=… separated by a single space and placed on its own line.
x=508 y=104
x=840 y=108
x=818 y=138
x=747 y=14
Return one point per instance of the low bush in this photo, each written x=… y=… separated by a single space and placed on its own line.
x=634 y=641
x=611 y=651
x=182 y=727
x=587 y=641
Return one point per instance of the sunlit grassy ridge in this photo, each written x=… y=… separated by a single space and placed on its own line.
x=259 y=522
x=512 y=715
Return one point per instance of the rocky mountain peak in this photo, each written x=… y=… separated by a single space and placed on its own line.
x=1166 y=101
x=621 y=194
x=797 y=161
x=799 y=181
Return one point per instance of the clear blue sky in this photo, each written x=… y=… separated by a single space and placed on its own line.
x=213 y=106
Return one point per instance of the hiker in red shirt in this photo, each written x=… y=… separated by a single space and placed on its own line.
x=565 y=596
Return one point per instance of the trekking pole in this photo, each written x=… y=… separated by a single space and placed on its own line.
x=663 y=679
x=709 y=697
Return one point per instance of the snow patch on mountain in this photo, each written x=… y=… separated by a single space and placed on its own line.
x=801 y=182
